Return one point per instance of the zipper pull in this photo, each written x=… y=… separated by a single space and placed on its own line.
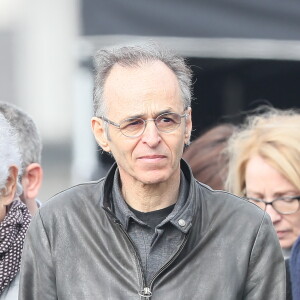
x=145 y=293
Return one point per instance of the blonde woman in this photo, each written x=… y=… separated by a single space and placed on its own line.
x=264 y=166
x=14 y=216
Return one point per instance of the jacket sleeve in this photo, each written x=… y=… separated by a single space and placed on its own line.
x=266 y=274
x=37 y=275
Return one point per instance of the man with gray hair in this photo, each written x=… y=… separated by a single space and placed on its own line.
x=30 y=146
x=14 y=215
x=148 y=230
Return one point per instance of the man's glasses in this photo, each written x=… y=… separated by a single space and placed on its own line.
x=283 y=205
x=135 y=127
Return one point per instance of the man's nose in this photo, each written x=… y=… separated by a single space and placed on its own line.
x=275 y=216
x=151 y=135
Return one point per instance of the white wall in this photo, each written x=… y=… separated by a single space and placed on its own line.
x=41 y=40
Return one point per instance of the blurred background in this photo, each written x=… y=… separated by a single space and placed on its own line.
x=243 y=54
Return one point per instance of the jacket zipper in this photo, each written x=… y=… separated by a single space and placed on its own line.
x=146 y=292
x=169 y=262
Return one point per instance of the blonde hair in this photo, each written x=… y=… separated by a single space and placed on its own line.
x=274 y=135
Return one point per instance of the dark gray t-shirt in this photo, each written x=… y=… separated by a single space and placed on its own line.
x=153 y=218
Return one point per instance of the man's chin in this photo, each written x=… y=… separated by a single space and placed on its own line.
x=152 y=177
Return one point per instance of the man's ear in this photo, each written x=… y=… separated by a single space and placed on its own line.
x=100 y=134
x=188 y=126
x=10 y=187
x=32 y=181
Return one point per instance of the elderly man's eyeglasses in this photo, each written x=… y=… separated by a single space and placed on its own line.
x=283 y=205
x=135 y=127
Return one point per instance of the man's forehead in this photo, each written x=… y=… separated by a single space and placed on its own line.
x=149 y=75
x=150 y=67
x=145 y=89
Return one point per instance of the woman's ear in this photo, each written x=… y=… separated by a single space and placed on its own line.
x=10 y=187
x=100 y=133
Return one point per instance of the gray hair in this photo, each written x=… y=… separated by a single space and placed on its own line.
x=135 y=56
x=9 y=150
x=28 y=137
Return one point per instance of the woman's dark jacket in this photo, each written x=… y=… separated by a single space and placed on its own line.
x=77 y=250
x=294 y=267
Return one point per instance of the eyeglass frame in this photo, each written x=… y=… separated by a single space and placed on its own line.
x=184 y=115
x=276 y=199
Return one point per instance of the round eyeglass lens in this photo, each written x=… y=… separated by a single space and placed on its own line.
x=132 y=127
x=168 y=122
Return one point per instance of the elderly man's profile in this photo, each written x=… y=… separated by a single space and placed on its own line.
x=30 y=146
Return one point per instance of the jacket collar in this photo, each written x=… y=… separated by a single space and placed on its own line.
x=185 y=214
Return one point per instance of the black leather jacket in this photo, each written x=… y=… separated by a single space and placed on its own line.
x=77 y=249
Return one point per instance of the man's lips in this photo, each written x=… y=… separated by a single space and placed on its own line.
x=153 y=156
